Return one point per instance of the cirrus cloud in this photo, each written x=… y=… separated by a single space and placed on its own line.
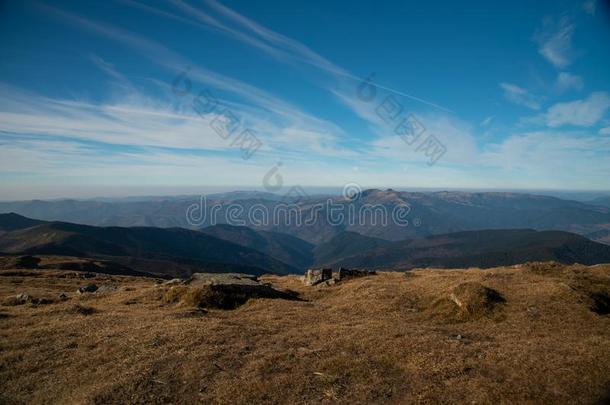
x=584 y=113
x=555 y=41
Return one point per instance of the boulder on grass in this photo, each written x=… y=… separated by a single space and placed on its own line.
x=89 y=288
x=317 y=276
x=18 y=299
x=221 y=291
x=345 y=273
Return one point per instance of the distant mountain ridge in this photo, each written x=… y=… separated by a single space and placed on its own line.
x=486 y=248
x=431 y=213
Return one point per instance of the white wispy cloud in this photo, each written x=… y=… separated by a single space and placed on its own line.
x=567 y=81
x=552 y=159
x=543 y=159
x=250 y=102
x=555 y=41
x=456 y=135
x=520 y=96
x=176 y=63
x=276 y=45
x=136 y=120
x=295 y=51
x=604 y=131
x=586 y=112
x=133 y=121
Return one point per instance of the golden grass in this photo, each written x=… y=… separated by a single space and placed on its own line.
x=366 y=340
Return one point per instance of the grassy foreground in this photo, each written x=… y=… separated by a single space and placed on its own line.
x=389 y=338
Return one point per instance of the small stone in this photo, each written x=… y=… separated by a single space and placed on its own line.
x=106 y=289
x=327 y=283
x=174 y=281
x=23 y=298
x=89 y=288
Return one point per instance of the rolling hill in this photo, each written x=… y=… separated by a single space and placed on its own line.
x=173 y=251
x=11 y=222
x=488 y=248
x=225 y=248
x=288 y=249
x=345 y=244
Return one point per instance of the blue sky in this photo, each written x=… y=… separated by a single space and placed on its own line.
x=514 y=95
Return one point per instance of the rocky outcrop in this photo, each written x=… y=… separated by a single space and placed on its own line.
x=317 y=276
x=221 y=291
x=89 y=288
x=326 y=277
x=345 y=273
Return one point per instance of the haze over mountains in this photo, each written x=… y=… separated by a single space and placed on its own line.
x=430 y=213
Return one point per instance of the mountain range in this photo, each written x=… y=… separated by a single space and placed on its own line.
x=430 y=213
x=178 y=252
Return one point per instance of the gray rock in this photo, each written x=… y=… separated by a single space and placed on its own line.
x=223 y=291
x=348 y=273
x=327 y=283
x=173 y=281
x=106 y=289
x=89 y=288
x=317 y=276
x=222 y=278
x=22 y=298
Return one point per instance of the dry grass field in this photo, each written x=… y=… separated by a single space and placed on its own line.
x=536 y=333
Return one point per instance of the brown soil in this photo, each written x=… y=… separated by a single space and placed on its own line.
x=367 y=340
